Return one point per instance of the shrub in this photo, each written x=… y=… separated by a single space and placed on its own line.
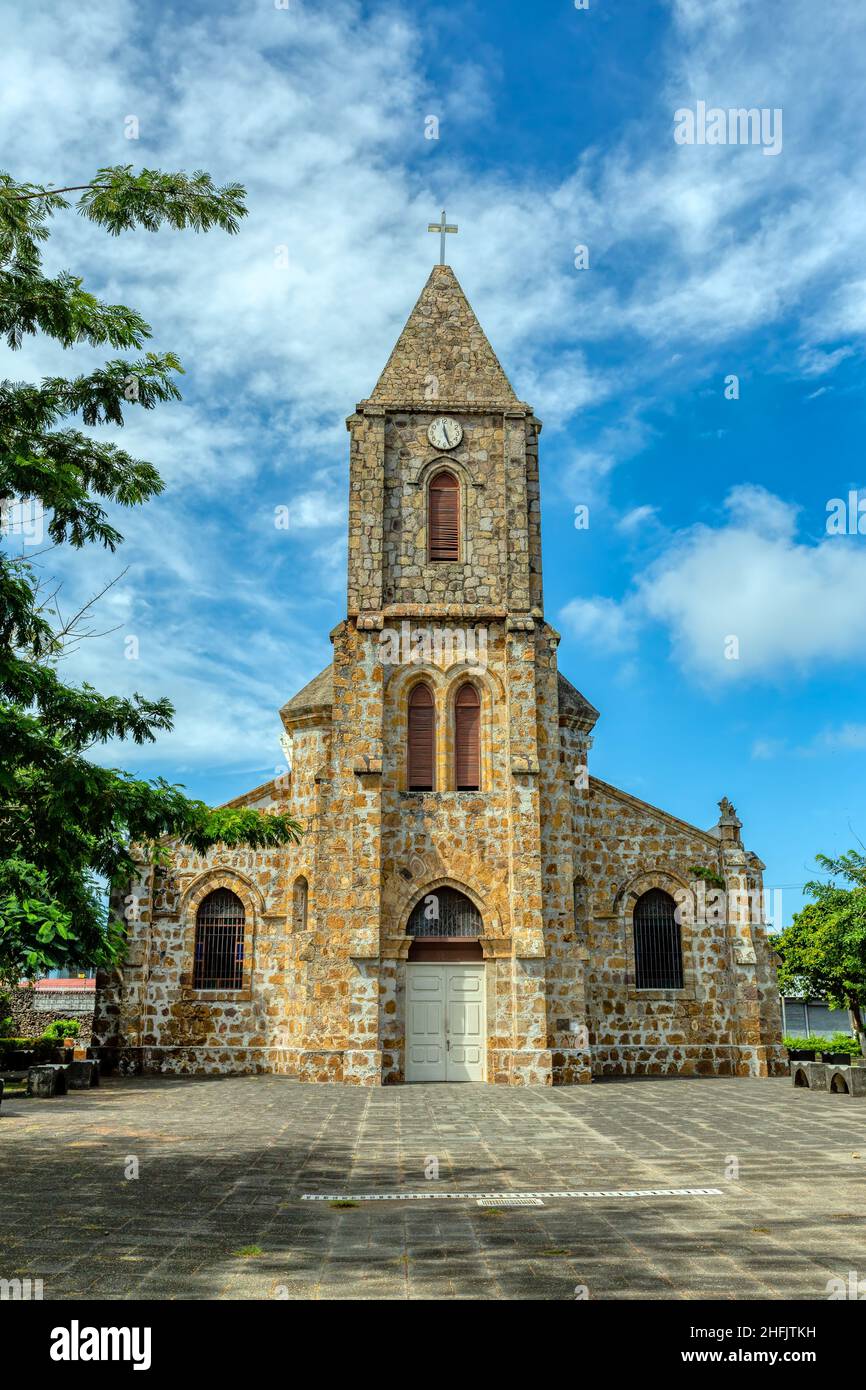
x=840 y=1042
x=42 y=1048
x=62 y=1028
x=843 y=1042
x=801 y=1044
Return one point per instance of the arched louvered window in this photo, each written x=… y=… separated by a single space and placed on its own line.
x=219 y=942
x=421 y=740
x=443 y=517
x=467 y=740
x=300 y=897
x=658 y=952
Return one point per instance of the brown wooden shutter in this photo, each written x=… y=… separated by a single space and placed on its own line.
x=444 y=517
x=421 y=729
x=467 y=729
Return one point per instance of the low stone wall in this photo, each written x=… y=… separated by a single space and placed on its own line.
x=716 y=1059
x=33 y=1010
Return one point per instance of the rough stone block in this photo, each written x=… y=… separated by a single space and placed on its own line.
x=81 y=1075
x=46 y=1081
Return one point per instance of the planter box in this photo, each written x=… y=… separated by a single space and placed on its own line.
x=798 y=1054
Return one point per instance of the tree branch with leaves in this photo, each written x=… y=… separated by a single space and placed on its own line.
x=68 y=824
x=823 y=952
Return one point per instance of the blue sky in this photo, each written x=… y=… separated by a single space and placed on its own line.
x=707 y=515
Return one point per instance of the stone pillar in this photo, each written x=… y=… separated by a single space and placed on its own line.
x=562 y=754
x=756 y=995
x=121 y=1006
x=531 y=1058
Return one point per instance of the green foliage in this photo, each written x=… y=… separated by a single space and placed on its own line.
x=823 y=952
x=43 y=1049
x=708 y=875
x=62 y=1028
x=840 y=1042
x=6 y=1022
x=66 y=824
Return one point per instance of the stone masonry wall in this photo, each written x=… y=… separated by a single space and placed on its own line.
x=629 y=848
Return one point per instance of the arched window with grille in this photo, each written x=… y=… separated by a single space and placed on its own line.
x=421 y=740
x=443 y=517
x=219 y=942
x=444 y=912
x=658 y=952
x=300 y=901
x=467 y=739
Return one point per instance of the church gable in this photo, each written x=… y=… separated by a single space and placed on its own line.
x=443 y=355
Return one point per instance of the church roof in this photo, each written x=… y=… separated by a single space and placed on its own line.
x=572 y=703
x=443 y=339
x=316 y=694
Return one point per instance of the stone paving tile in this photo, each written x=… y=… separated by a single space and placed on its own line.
x=223 y=1163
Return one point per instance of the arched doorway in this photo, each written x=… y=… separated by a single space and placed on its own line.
x=445 y=989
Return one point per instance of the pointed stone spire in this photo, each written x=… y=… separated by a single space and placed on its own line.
x=442 y=357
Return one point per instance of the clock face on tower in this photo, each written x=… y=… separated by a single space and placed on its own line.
x=445 y=433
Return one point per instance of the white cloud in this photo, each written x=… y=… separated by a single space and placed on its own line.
x=320 y=111
x=847 y=738
x=599 y=623
x=791 y=606
x=310 y=511
x=764 y=749
x=637 y=519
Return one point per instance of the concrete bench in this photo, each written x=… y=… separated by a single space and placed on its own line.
x=81 y=1075
x=810 y=1075
x=845 y=1080
x=836 y=1077
x=47 y=1080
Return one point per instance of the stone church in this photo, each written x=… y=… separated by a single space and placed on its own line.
x=467 y=903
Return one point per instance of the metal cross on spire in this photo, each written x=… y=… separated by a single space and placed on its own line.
x=441 y=228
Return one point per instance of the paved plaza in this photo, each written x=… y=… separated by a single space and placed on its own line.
x=218 y=1208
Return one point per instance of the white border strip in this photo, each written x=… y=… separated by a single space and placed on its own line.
x=504 y=1196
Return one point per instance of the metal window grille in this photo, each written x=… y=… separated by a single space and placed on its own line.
x=444 y=912
x=658 y=953
x=219 y=942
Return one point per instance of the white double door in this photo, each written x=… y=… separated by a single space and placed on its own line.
x=445 y=1025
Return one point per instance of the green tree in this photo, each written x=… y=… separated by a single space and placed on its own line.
x=824 y=950
x=67 y=824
